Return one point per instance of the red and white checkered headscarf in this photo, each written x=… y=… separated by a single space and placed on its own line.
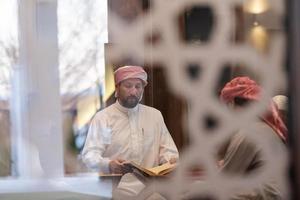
x=127 y=72
x=246 y=88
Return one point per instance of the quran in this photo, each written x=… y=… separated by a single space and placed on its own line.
x=160 y=170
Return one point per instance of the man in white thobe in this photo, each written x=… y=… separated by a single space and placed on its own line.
x=128 y=131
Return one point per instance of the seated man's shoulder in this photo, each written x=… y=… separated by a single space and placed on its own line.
x=264 y=130
x=264 y=134
x=104 y=111
x=149 y=109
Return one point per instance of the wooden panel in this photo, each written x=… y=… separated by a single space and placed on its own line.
x=158 y=95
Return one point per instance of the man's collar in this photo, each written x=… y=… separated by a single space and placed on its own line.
x=126 y=110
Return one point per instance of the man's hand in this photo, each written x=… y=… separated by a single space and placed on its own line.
x=173 y=160
x=117 y=166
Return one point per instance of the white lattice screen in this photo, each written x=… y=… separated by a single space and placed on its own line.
x=174 y=55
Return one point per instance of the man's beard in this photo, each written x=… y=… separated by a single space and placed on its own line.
x=130 y=102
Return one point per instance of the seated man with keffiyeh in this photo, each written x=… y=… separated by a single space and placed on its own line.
x=244 y=156
x=128 y=131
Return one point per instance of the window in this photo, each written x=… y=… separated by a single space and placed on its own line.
x=8 y=60
x=82 y=32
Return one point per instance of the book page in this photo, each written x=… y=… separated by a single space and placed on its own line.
x=155 y=171
x=162 y=169
x=145 y=170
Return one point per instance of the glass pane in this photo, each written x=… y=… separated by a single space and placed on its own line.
x=191 y=50
x=8 y=59
x=82 y=33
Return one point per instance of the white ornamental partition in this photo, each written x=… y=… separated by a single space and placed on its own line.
x=174 y=54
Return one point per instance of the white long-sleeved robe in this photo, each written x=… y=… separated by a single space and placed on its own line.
x=138 y=134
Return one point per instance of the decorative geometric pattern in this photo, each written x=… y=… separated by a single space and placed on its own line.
x=174 y=55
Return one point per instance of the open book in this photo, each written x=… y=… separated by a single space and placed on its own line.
x=154 y=171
